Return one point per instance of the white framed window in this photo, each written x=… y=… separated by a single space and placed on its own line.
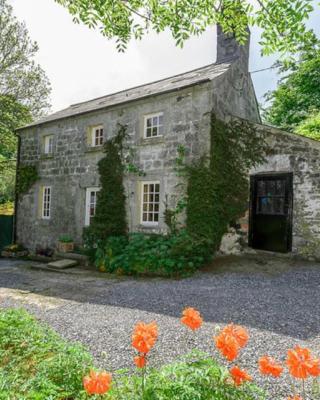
x=97 y=136
x=48 y=144
x=150 y=200
x=46 y=202
x=91 y=204
x=153 y=125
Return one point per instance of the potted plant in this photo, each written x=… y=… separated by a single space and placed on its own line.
x=65 y=244
x=14 y=250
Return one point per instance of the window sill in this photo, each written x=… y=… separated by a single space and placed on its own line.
x=151 y=226
x=152 y=141
x=46 y=156
x=94 y=149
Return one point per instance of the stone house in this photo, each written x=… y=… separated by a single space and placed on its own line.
x=284 y=212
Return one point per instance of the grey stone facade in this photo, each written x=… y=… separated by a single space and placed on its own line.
x=301 y=157
x=186 y=102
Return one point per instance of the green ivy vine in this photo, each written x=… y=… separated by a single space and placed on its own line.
x=218 y=184
x=110 y=218
x=27 y=175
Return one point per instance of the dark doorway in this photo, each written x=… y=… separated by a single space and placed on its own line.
x=6 y=230
x=271 y=212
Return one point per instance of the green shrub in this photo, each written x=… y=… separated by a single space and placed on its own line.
x=196 y=376
x=65 y=239
x=159 y=255
x=35 y=363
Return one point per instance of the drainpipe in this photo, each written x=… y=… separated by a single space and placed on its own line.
x=16 y=196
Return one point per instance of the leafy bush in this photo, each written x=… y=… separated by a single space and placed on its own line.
x=195 y=376
x=65 y=239
x=35 y=363
x=172 y=255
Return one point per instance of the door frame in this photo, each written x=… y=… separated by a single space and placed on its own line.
x=287 y=175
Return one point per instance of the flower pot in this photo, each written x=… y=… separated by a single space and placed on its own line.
x=64 y=247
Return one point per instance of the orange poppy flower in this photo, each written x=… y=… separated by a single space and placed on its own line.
x=295 y=398
x=238 y=332
x=140 y=361
x=97 y=382
x=191 y=318
x=269 y=366
x=227 y=345
x=239 y=376
x=314 y=368
x=300 y=362
x=144 y=336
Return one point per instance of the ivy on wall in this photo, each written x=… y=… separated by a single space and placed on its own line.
x=110 y=217
x=217 y=184
x=27 y=175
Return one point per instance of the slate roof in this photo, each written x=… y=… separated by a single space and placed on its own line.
x=186 y=79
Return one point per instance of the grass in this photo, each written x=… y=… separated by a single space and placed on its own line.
x=7 y=208
x=35 y=363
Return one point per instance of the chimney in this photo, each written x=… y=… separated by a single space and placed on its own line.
x=228 y=49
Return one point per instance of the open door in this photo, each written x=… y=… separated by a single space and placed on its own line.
x=271 y=212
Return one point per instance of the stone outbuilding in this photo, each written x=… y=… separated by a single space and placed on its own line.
x=284 y=212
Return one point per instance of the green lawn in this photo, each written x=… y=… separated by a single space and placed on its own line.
x=35 y=363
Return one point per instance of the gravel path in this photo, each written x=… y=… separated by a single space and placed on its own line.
x=278 y=300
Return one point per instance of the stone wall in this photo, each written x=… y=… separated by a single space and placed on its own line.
x=301 y=157
x=73 y=166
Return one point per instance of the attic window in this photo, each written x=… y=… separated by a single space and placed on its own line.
x=153 y=125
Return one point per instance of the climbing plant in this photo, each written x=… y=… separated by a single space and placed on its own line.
x=27 y=175
x=110 y=217
x=217 y=184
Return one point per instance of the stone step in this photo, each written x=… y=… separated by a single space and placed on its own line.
x=62 y=264
x=80 y=258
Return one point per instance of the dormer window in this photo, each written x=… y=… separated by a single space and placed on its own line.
x=153 y=125
x=48 y=144
x=97 y=136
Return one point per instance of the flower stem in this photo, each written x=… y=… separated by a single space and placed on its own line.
x=303 y=390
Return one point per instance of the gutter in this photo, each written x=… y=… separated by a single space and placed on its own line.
x=16 y=196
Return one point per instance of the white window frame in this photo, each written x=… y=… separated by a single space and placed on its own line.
x=149 y=116
x=94 y=130
x=46 y=202
x=48 y=144
x=150 y=223
x=88 y=204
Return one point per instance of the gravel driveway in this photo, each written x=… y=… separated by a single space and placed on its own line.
x=278 y=300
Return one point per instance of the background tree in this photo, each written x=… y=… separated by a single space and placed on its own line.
x=281 y=21
x=295 y=104
x=24 y=91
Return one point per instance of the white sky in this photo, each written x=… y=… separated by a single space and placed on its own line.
x=82 y=64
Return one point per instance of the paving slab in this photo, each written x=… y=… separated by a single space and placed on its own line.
x=62 y=264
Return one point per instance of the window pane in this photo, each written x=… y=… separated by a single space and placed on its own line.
x=157 y=187
x=145 y=217
x=149 y=122
x=160 y=119
x=154 y=131
x=145 y=188
x=156 y=217
x=149 y=132
x=155 y=121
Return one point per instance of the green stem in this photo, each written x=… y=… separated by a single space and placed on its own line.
x=303 y=390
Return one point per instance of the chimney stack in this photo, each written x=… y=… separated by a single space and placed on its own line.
x=228 y=49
